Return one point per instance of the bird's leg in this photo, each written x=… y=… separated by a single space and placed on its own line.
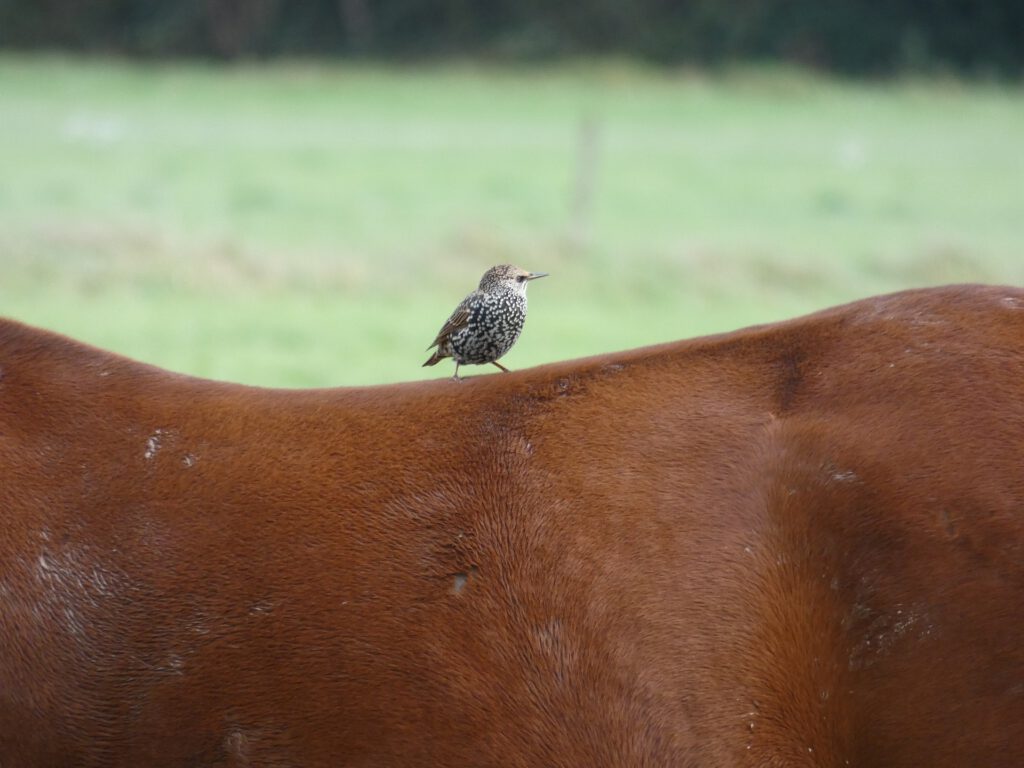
x=495 y=362
x=456 y=376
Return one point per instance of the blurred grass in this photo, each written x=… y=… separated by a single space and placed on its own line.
x=302 y=224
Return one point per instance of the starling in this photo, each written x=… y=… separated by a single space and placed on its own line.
x=487 y=322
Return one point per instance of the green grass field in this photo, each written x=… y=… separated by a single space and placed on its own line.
x=305 y=225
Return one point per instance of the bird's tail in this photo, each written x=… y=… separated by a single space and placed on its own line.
x=435 y=358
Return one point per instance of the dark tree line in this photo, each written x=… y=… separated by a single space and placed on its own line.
x=849 y=36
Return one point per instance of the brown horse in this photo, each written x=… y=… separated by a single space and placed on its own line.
x=798 y=544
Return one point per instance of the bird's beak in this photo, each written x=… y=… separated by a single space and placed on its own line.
x=535 y=275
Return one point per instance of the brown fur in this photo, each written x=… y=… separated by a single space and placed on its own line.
x=800 y=544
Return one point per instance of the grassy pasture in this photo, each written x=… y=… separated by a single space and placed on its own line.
x=302 y=224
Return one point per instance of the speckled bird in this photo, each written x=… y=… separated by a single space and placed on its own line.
x=487 y=322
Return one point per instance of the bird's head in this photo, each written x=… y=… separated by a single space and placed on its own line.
x=508 y=276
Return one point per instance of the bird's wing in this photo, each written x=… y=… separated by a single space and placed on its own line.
x=459 y=319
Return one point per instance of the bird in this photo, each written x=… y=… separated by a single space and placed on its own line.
x=487 y=322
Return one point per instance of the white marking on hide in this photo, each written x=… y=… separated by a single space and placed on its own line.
x=153 y=444
x=236 y=745
x=261 y=606
x=174 y=666
x=459 y=580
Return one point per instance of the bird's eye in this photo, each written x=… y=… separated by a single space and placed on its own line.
x=520 y=278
